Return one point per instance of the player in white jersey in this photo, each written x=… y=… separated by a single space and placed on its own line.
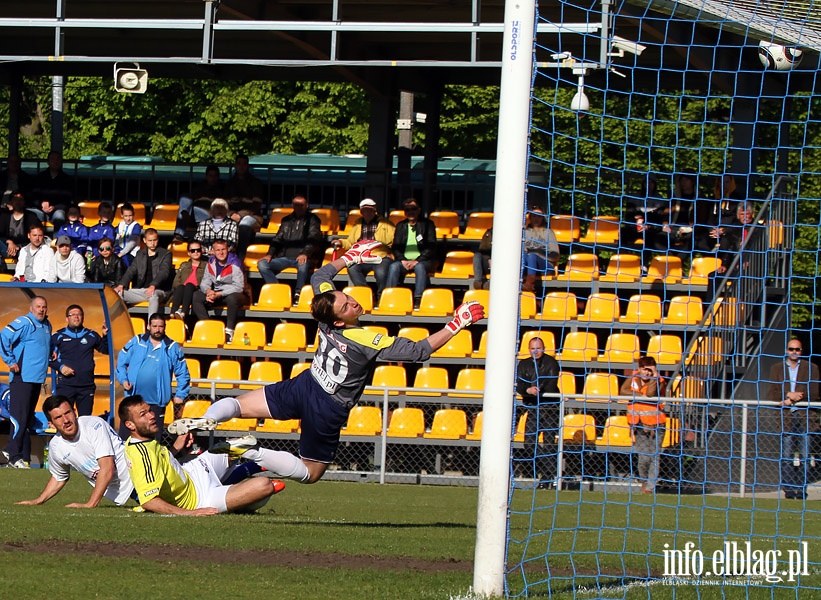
x=90 y=446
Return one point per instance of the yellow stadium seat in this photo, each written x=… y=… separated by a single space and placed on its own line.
x=273 y=297
x=376 y=329
x=687 y=387
x=547 y=337
x=469 y=380
x=168 y=415
x=6 y=276
x=306 y=296
x=350 y=220
x=417 y=334
x=566 y=227
x=642 y=309
x=328 y=220
x=179 y=253
x=602 y=231
x=579 y=346
x=277 y=214
x=483 y=298
x=447 y=223
x=238 y=424
x=481 y=351
x=559 y=306
x=475 y=433
x=519 y=436
x=175 y=329
x=616 y=433
x=195 y=408
x=395 y=302
x=579 y=429
x=725 y=312
x=277 y=426
x=224 y=369
x=406 y=422
x=708 y=350
x=620 y=348
x=88 y=208
x=193 y=368
x=458 y=265
x=209 y=333
x=298 y=368
x=477 y=224
x=288 y=337
x=459 y=346
x=567 y=382
x=622 y=268
x=430 y=378
x=248 y=335
x=666 y=349
x=701 y=268
x=262 y=373
x=138 y=325
x=527 y=306
x=164 y=218
x=448 y=424
x=672 y=433
x=600 y=384
x=580 y=267
x=364 y=420
x=436 y=302
x=601 y=308
x=253 y=254
x=392 y=376
x=775 y=231
x=396 y=216
x=139 y=213
x=684 y=310
x=362 y=294
x=664 y=268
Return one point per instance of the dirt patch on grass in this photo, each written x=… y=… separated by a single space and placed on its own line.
x=263 y=558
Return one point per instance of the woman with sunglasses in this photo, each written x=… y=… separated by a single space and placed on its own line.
x=187 y=281
x=107 y=267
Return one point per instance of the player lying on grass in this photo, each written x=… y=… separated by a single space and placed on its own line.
x=322 y=396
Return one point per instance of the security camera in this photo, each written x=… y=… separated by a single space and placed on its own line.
x=624 y=45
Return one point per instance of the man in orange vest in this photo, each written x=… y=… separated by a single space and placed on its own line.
x=645 y=416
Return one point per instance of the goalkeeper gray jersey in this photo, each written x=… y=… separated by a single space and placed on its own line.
x=345 y=358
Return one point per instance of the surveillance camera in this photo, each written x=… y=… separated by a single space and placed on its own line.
x=624 y=45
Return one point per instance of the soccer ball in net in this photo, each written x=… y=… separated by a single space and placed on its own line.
x=778 y=57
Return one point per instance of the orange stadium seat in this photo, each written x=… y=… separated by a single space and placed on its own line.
x=579 y=346
x=430 y=378
x=601 y=308
x=477 y=224
x=224 y=369
x=566 y=227
x=436 y=302
x=448 y=424
x=602 y=231
x=642 y=309
x=164 y=217
x=559 y=306
x=620 y=348
x=622 y=268
x=580 y=267
x=364 y=420
x=458 y=265
x=273 y=297
x=329 y=220
x=406 y=422
x=391 y=376
x=447 y=223
x=362 y=294
x=262 y=373
x=248 y=335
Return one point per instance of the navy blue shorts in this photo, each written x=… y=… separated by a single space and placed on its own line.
x=321 y=418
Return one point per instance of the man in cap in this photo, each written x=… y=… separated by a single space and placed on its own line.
x=66 y=265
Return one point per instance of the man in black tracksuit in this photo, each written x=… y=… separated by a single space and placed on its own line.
x=73 y=358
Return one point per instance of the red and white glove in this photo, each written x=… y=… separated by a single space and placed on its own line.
x=467 y=314
x=361 y=252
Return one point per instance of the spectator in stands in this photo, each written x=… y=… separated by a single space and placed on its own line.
x=246 y=196
x=24 y=347
x=541 y=249
x=72 y=358
x=66 y=265
x=646 y=416
x=14 y=227
x=414 y=250
x=103 y=229
x=34 y=259
x=194 y=206
x=196 y=487
x=712 y=216
x=297 y=243
x=91 y=447
x=128 y=232
x=794 y=381
x=323 y=395
x=537 y=375
x=218 y=227
x=732 y=237
x=187 y=281
x=223 y=284
x=371 y=226
x=683 y=211
x=14 y=180
x=481 y=261
x=149 y=274
x=53 y=191
x=107 y=267
x=75 y=231
x=646 y=218
x=145 y=367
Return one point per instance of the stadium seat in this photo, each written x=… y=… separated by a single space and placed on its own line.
x=602 y=231
x=448 y=424
x=306 y=296
x=417 y=334
x=481 y=351
x=137 y=207
x=436 y=302
x=376 y=329
x=458 y=265
x=238 y=424
x=277 y=426
x=547 y=337
x=684 y=310
x=579 y=429
x=224 y=369
x=622 y=268
x=708 y=350
x=248 y=335
x=194 y=370
x=527 y=306
x=672 y=433
x=396 y=216
x=483 y=298
x=459 y=346
x=579 y=346
x=350 y=220
x=88 y=209
x=329 y=256
x=687 y=387
x=273 y=297
x=395 y=302
x=477 y=224
x=701 y=268
x=559 y=306
x=253 y=253
x=168 y=415
x=209 y=333
x=642 y=309
x=277 y=214
x=138 y=325
x=725 y=312
x=328 y=220
x=364 y=420
x=362 y=294
x=430 y=378
x=288 y=337
x=475 y=433
x=666 y=349
x=566 y=227
x=567 y=382
x=179 y=253
x=175 y=329
x=298 y=368
x=164 y=218
x=664 y=268
x=195 y=408
x=262 y=373
x=519 y=435
x=392 y=376
x=469 y=380
x=616 y=434
x=580 y=267
x=620 y=348
x=600 y=384
x=447 y=223
x=601 y=308
x=406 y=422
x=775 y=233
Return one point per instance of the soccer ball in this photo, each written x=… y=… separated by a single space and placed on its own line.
x=778 y=57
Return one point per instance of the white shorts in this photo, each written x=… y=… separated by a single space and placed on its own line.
x=206 y=471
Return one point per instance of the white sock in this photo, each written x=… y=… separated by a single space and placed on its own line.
x=224 y=410
x=282 y=464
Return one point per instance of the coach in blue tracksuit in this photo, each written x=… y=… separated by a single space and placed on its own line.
x=145 y=366
x=72 y=358
x=25 y=347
